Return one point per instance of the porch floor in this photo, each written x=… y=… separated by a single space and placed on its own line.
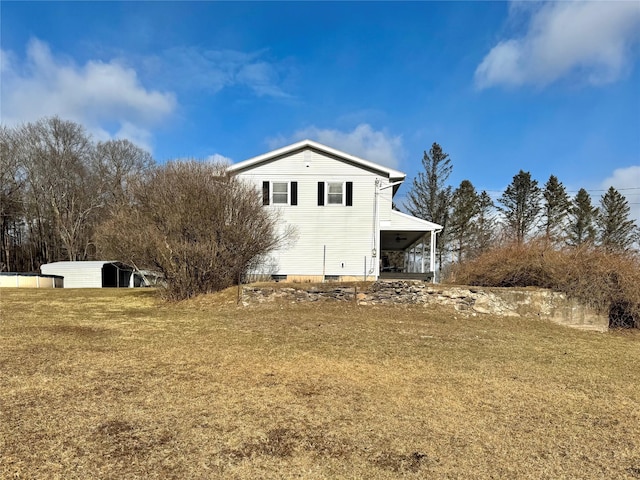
x=426 y=277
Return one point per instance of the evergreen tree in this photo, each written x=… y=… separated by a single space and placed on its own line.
x=430 y=196
x=582 y=214
x=616 y=230
x=520 y=205
x=464 y=208
x=555 y=209
x=484 y=231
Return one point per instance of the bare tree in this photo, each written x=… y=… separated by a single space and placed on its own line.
x=116 y=162
x=55 y=186
x=195 y=224
x=12 y=185
x=57 y=156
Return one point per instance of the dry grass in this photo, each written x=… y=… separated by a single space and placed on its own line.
x=607 y=281
x=116 y=384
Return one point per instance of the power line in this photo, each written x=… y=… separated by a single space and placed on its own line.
x=572 y=191
x=568 y=191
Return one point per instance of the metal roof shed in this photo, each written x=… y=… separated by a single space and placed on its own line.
x=90 y=274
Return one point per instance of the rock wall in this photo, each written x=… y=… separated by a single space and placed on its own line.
x=472 y=301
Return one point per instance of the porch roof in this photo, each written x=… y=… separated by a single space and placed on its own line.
x=402 y=231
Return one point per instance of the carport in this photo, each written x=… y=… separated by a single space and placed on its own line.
x=91 y=274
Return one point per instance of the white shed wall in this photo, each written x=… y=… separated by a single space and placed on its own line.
x=76 y=274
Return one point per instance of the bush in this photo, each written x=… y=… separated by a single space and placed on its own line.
x=606 y=281
x=201 y=228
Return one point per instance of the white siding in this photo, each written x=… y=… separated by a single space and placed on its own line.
x=76 y=274
x=346 y=232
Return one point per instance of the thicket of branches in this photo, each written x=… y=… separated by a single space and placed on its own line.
x=56 y=186
x=606 y=280
x=201 y=228
x=65 y=197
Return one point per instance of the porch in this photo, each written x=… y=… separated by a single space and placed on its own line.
x=411 y=241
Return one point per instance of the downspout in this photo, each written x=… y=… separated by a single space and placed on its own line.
x=373 y=270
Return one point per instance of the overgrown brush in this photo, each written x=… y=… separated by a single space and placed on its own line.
x=607 y=281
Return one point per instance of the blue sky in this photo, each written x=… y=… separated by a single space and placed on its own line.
x=550 y=88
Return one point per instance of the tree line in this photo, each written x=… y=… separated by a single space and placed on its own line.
x=473 y=223
x=65 y=197
x=57 y=184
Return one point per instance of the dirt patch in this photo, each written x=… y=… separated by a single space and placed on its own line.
x=399 y=462
x=122 y=438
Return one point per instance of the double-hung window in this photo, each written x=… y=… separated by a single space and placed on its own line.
x=335 y=193
x=279 y=193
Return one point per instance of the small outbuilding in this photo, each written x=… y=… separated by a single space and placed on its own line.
x=93 y=274
x=30 y=280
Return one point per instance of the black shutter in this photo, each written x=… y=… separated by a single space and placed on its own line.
x=265 y=193
x=349 y=194
x=320 y=193
x=294 y=193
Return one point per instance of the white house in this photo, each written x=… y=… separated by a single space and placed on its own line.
x=341 y=208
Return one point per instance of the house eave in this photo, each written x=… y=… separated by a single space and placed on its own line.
x=391 y=174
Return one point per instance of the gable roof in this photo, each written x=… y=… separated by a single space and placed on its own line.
x=310 y=144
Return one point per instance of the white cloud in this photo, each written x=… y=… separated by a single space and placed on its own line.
x=213 y=70
x=591 y=39
x=101 y=96
x=262 y=78
x=364 y=142
x=219 y=159
x=627 y=182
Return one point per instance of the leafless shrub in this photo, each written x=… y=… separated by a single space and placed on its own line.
x=195 y=224
x=607 y=281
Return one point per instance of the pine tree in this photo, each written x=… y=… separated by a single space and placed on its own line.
x=555 y=208
x=430 y=196
x=464 y=208
x=484 y=231
x=520 y=205
x=582 y=214
x=616 y=230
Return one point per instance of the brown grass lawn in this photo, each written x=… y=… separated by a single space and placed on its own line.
x=118 y=384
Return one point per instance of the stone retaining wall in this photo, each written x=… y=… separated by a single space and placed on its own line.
x=472 y=301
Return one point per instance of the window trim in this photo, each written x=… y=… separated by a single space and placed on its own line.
x=268 y=193
x=347 y=193
x=272 y=193
x=343 y=194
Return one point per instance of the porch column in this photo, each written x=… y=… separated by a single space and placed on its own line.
x=412 y=258
x=432 y=255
